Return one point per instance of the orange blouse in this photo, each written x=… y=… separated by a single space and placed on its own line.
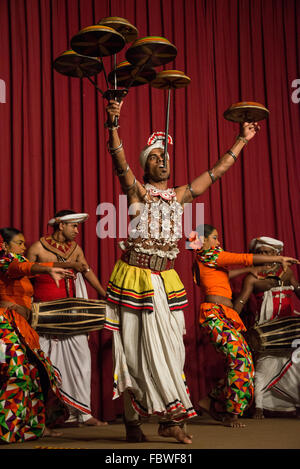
x=214 y=280
x=16 y=287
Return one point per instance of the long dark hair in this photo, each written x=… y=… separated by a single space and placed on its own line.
x=9 y=233
x=202 y=230
x=205 y=230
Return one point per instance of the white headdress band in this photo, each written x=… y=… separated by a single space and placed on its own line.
x=71 y=218
x=156 y=140
x=265 y=241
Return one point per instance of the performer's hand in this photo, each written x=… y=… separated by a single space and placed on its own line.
x=249 y=129
x=113 y=109
x=287 y=261
x=57 y=273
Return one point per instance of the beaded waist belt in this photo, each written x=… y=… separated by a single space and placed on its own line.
x=148 y=261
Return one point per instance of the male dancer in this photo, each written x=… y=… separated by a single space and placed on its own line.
x=69 y=355
x=145 y=295
x=277 y=375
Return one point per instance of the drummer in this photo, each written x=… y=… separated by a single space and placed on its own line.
x=145 y=295
x=70 y=355
x=229 y=400
x=277 y=377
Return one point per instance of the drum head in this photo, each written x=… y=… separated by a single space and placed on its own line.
x=151 y=50
x=74 y=65
x=171 y=79
x=128 y=31
x=128 y=74
x=97 y=41
x=246 y=112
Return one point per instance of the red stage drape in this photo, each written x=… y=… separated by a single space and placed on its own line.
x=53 y=141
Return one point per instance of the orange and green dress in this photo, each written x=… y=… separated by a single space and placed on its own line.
x=225 y=327
x=29 y=395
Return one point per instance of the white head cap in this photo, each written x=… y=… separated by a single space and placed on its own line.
x=265 y=241
x=71 y=218
x=157 y=140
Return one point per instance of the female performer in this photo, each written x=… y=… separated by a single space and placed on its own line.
x=27 y=380
x=231 y=398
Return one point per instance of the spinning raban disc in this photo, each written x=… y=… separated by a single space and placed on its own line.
x=129 y=75
x=79 y=66
x=151 y=50
x=97 y=41
x=128 y=31
x=246 y=111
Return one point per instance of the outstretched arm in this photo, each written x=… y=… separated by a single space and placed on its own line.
x=187 y=193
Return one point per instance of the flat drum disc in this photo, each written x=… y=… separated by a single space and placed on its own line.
x=79 y=66
x=97 y=41
x=170 y=79
x=246 y=111
x=128 y=74
x=151 y=50
x=128 y=31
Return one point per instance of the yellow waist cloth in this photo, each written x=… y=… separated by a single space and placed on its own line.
x=132 y=287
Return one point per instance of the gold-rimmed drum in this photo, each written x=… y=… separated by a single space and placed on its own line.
x=170 y=79
x=246 y=111
x=151 y=50
x=122 y=25
x=128 y=75
x=79 y=66
x=97 y=41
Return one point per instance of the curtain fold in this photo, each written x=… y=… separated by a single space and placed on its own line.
x=53 y=141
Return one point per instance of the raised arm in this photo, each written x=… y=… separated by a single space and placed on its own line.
x=115 y=147
x=199 y=185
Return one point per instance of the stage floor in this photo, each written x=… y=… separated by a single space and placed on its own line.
x=269 y=433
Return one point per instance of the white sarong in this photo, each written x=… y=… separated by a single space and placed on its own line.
x=71 y=359
x=277 y=376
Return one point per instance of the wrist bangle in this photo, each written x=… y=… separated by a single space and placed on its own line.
x=232 y=154
x=114 y=150
x=212 y=177
x=189 y=187
x=239 y=137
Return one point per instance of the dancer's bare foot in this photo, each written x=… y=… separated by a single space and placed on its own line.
x=232 y=420
x=93 y=422
x=258 y=414
x=174 y=431
x=50 y=432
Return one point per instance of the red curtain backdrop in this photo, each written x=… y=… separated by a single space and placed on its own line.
x=53 y=141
